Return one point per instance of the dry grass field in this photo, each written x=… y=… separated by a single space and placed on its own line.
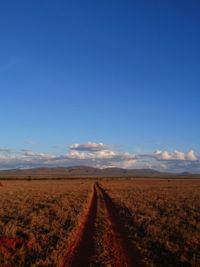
x=63 y=223
x=162 y=218
x=36 y=218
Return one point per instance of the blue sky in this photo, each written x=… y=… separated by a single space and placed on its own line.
x=122 y=73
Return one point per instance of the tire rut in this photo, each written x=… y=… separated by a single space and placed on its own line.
x=100 y=239
x=124 y=254
x=81 y=246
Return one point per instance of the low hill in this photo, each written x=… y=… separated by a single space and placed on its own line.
x=86 y=172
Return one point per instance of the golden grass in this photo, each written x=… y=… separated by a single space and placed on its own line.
x=162 y=217
x=38 y=218
x=39 y=214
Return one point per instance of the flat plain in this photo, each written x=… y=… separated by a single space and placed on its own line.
x=112 y=222
x=162 y=217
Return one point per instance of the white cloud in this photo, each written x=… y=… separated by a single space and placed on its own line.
x=128 y=163
x=191 y=155
x=101 y=155
x=176 y=155
x=92 y=154
x=90 y=146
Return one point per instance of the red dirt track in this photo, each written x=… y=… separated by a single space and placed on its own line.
x=81 y=245
x=114 y=241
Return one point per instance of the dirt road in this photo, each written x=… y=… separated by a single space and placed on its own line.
x=99 y=239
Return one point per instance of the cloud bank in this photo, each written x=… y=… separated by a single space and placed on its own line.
x=176 y=155
x=101 y=155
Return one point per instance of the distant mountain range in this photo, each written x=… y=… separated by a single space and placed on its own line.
x=88 y=172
